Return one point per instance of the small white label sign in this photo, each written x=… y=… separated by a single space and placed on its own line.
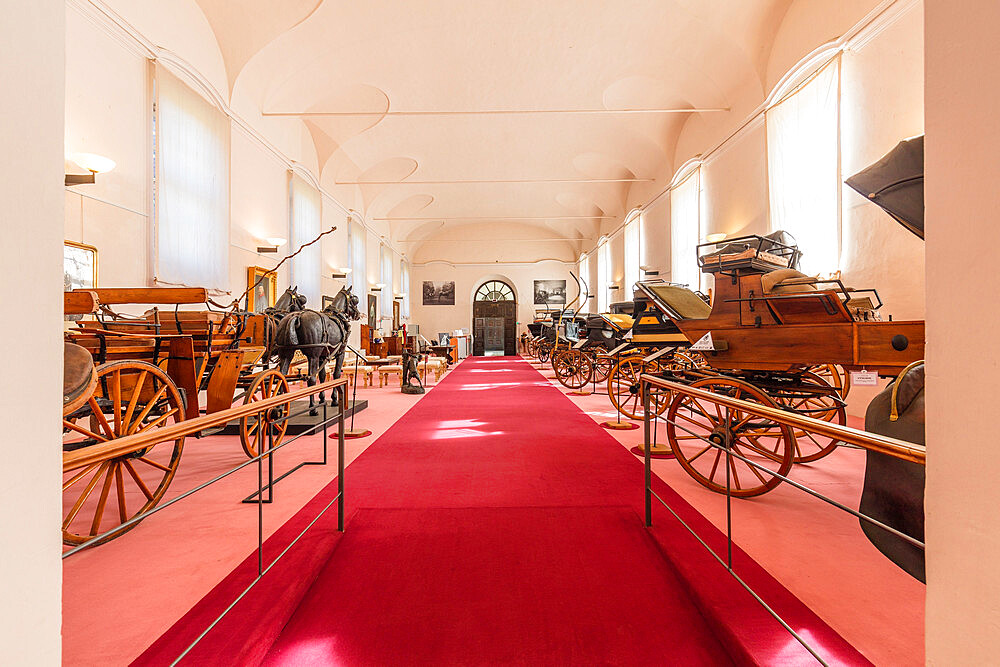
x=704 y=343
x=864 y=378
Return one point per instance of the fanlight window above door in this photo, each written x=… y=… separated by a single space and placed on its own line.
x=494 y=291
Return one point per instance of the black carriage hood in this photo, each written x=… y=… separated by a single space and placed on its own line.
x=896 y=184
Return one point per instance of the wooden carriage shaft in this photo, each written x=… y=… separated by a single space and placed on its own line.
x=900 y=449
x=132 y=443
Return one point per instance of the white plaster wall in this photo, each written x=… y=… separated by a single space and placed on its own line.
x=32 y=35
x=963 y=536
x=435 y=319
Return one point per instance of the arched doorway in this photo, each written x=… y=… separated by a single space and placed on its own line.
x=494 y=319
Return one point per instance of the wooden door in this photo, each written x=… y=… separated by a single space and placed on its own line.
x=503 y=329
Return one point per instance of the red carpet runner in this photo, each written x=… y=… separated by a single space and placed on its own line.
x=496 y=523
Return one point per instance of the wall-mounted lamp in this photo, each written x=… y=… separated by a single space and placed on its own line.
x=399 y=297
x=341 y=273
x=95 y=164
x=646 y=271
x=377 y=287
x=715 y=238
x=614 y=286
x=273 y=243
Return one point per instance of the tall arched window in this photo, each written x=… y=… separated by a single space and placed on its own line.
x=583 y=270
x=404 y=286
x=633 y=250
x=685 y=226
x=385 y=276
x=357 y=240
x=803 y=165
x=603 y=273
x=493 y=291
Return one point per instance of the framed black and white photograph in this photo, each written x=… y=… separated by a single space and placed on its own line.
x=550 y=292
x=79 y=266
x=440 y=293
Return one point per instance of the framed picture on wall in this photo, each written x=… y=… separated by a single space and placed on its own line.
x=550 y=292
x=79 y=265
x=439 y=293
x=327 y=301
x=263 y=286
x=372 y=311
x=395 y=315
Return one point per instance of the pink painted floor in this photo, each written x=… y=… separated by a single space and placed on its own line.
x=818 y=552
x=120 y=596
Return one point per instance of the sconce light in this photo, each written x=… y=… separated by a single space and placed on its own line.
x=341 y=273
x=646 y=271
x=95 y=164
x=398 y=297
x=273 y=243
x=715 y=238
x=377 y=287
x=614 y=287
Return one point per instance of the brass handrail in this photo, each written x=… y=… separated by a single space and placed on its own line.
x=872 y=442
x=132 y=443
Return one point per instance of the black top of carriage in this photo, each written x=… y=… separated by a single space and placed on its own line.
x=750 y=253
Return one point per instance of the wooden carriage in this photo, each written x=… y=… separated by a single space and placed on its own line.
x=771 y=336
x=152 y=370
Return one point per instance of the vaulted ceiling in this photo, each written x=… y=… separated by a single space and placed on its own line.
x=384 y=88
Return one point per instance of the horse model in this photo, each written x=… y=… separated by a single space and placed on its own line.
x=319 y=335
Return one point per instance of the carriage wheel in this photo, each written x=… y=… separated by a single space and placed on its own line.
x=254 y=428
x=602 y=368
x=573 y=368
x=818 y=405
x=834 y=375
x=691 y=421
x=130 y=397
x=625 y=392
x=544 y=350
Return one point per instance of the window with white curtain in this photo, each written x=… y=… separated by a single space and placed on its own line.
x=191 y=162
x=633 y=251
x=685 y=230
x=404 y=286
x=603 y=273
x=803 y=137
x=357 y=241
x=385 y=273
x=583 y=270
x=304 y=214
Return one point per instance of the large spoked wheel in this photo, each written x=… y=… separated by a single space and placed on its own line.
x=699 y=434
x=818 y=399
x=255 y=428
x=131 y=397
x=834 y=375
x=625 y=391
x=544 y=350
x=602 y=368
x=573 y=368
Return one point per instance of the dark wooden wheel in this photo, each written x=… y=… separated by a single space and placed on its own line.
x=130 y=397
x=544 y=350
x=255 y=428
x=691 y=422
x=625 y=392
x=573 y=368
x=816 y=399
x=602 y=367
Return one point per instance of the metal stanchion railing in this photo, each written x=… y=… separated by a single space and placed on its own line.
x=869 y=441
x=124 y=446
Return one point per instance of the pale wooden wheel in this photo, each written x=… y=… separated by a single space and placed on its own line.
x=130 y=397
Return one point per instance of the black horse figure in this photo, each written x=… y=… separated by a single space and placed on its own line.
x=319 y=335
x=290 y=301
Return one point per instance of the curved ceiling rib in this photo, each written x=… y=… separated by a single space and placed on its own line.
x=565 y=171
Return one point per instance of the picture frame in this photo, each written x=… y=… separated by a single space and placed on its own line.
x=327 y=301
x=79 y=266
x=372 y=312
x=439 y=293
x=395 y=315
x=262 y=285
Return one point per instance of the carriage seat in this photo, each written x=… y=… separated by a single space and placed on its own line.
x=787 y=281
x=79 y=377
